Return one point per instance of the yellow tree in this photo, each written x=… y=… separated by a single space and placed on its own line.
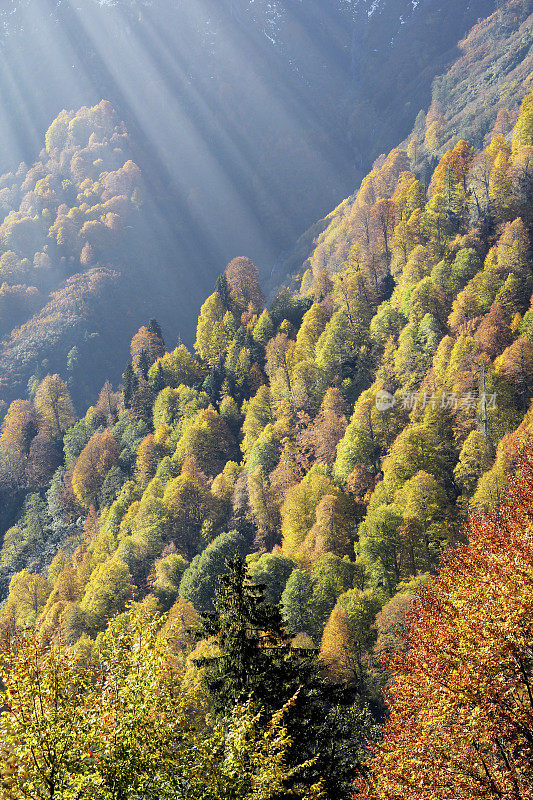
x=242 y=280
x=523 y=130
x=53 y=404
x=212 y=338
x=43 y=723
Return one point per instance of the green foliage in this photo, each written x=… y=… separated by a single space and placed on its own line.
x=299 y=507
x=296 y=603
x=415 y=306
x=175 y=368
x=168 y=574
x=174 y=405
x=255 y=658
x=202 y=577
x=109 y=589
x=271 y=570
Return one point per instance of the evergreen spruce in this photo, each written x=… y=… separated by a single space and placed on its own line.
x=144 y=364
x=130 y=385
x=154 y=327
x=327 y=725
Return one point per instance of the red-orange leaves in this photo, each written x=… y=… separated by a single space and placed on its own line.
x=461 y=703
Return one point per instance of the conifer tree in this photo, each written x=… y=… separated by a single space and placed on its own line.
x=256 y=660
x=130 y=385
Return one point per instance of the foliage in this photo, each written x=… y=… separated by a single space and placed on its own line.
x=460 y=705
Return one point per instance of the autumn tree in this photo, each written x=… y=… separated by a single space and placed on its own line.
x=44 y=720
x=19 y=427
x=188 y=504
x=298 y=510
x=53 y=404
x=175 y=368
x=109 y=589
x=214 y=330
x=460 y=702
x=146 y=347
x=94 y=462
x=242 y=280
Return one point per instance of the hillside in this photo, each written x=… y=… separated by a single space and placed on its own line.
x=78 y=264
x=277 y=107
x=97 y=198
x=266 y=530
x=176 y=233
x=334 y=441
x=478 y=94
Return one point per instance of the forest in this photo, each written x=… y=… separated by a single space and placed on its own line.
x=294 y=559
x=116 y=210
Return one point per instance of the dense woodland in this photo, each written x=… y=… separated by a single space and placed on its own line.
x=211 y=576
x=129 y=208
x=309 y=92
x=63 y=218
x=488 y=74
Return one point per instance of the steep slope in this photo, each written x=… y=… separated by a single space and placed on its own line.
x=235 y=99
x=491 y=71
x=210 y=183
x=336 y=440
x=78 y=238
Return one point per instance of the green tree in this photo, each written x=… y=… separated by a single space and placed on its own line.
x=271 y=570
x=255 y=659
x=263 y=329
x=331 y=576
x=474 y=460
x=109 y=589
x=296 y=603
x=175 y=368
x=201 y=579
x=298 y=509
x=211 y=336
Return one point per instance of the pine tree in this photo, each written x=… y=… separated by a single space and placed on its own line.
x=154 y=327
x=130 y=385
x=256 y=660
x=143 y=364
x=252 y=641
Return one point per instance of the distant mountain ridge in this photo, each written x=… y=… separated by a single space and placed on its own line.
x=493 y=70
x=245 y=123
x=233 y=97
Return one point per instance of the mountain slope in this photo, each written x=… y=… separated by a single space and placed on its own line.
x=491 y=71
x=235 y=99
x=336 y=439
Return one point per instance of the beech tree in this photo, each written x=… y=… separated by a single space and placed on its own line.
x=212 y=335
x=296 y=603
x=109 y=589
x=94 y=462
x=53 y=404
x=242 y=280
x=460 y=702
x=298 y=510
x=19 y=427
